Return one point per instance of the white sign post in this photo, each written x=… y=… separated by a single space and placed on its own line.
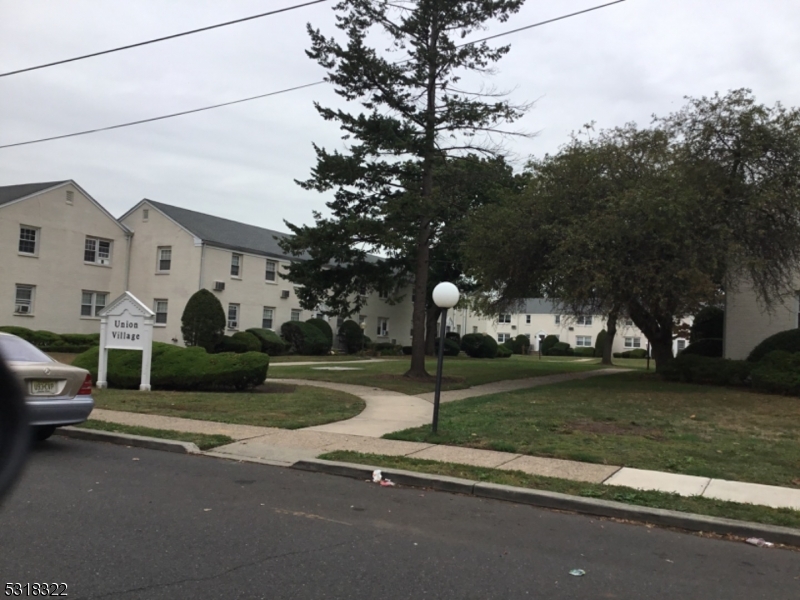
x=126 y=324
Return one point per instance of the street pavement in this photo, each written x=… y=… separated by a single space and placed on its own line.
x=113 y=521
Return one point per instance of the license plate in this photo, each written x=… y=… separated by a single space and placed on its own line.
x=43 y=388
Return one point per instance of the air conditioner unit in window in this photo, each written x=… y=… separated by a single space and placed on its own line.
x=104 y=261
x=219 y=286
x=284 y=294
x=572 y=329
x=23 y=309
x=513 y=327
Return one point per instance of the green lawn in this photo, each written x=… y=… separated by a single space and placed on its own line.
x=204 y=441
x=270 y=405
x=704 y=506
x=324 y=358
x=459 y=372
x=635 y=420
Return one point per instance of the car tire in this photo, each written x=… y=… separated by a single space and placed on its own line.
x=43 y=432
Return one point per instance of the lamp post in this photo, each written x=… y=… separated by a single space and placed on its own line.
x=445 y=295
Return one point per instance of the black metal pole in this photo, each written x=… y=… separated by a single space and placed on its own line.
x=648 y=356
x=439 y=367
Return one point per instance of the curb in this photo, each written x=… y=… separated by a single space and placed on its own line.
x=126 y=439
x=557 y=501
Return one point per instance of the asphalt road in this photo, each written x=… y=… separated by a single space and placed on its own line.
x=132 y=523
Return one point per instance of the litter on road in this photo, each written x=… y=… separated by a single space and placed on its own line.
x=760 y=542
x=577 y=572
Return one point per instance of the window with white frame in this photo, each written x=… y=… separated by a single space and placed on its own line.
x=633 y=342
x=28 y=240
x=164 y=259
x=233 y=316
x=681 y=345
x=627 y=323
x=70 y=197
x=383 y=327
x=504 y=319
x=527 y=319
x=272 y=268
x=145 y=214
x=23 y=299
x=584 y=341
x=97 y=251
x=267 y=317
x=585 y=320
x=503 y=337
x=161 y=307
x=92 y=303
x=236 y=265
x=558 y=319
x=296 y=314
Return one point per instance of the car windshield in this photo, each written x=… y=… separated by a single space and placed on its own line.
x=14 y=349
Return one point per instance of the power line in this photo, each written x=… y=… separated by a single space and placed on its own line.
x=283 y=91
x=161 y=39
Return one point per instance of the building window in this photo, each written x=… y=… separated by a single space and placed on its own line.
x=527 y=319
x=474 y=329
x=23 y=299
x=681 y=345
x=458 y=329
x=145 y=214
x=92 y=303
x=504 y=319
x=584 y=320
x=97 y=251
x=70 y=197
x=583 y=341
x=339 y=322
x=233 y=316
x=558 y=319
x=272 y=267
x=383 y=294
x=28 y=240
x=503 y=337
x=266 y=317
x=633 y=342
x=296 y=313
x=236 y=265
x=161 y=312
x=362 y=319
x=164 y=259
x=383 y=327
x=627 y=323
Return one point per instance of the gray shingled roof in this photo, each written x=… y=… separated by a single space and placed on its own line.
x=9 y=193
x=225 y=233
x=537 y=306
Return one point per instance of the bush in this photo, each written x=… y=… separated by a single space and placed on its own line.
x=352 y=337
x=693 y=368
x=600 y=343
x=228 y=344
x=705 y=347
x=271 y=343
x=451 y=347
x=250 y=341
x=23 y=332
x=778 y=373
x=325 y=328
x=583 y=351
x=203 y=320
x=518 y=345
x=478 y=345
x=385 y=349
x=635 y=353
x=176 y=368
x=55 y=342
x=455 y=336
x=547 y=343
x=560 y=349
x=708 y=323
x=788 y=341
x=68 y=348
x=504 y=351
x=407 y=350
x=305 y=339
x=81 y=339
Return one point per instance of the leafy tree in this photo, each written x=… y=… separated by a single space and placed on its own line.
x=707 y=324
x=417 y=120
x=203 y=320
x=654 y=222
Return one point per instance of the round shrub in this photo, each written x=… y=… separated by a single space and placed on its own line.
x=271 y=343
x=693 y=368
x=176 y=368
x=788 y=341
x=407 y=350
x=708 y=323
x=250 y=341
x=600 y=343
x=479 y=345
x=523 y=343
x=777 y=373
x=455 y=336
x=560 y=349
x=304 y=339
x=229 y=344
x=203 y=320
x=324 y=327
x=352 y=337
x=705 y=347
x=547 y=343
x=23 y=332
x=451 y=347
x=81 y=339
x=583 y=351
x=504 y=351
x=44 y=339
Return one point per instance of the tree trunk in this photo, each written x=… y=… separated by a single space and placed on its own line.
x=657 y=329
x=432 y=316
x=661 y=349
x=611 y=331
x=417 y=368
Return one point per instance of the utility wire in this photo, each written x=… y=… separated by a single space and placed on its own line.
x=283 y=91
x=161 y=39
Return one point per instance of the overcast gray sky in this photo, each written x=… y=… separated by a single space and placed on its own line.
x=619 y=64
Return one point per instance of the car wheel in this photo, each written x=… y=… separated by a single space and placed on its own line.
x=43 y=432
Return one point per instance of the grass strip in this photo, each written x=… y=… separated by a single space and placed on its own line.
x=204 y=441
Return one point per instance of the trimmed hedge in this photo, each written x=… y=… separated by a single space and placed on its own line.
x=583 y=351
x=788 y=341
x=407 y=350
x=635 y=353
x=518 y=345
x=693 y=368
x=504 y=351
x=203 y=320
x=710 y=347
x=600 y=343
x=455 y=336
x=305 y=339
x=451 y=347
x=176 y=368
x=478 y=345
x=352 y=337
x=271 y=343
x=55 y=342
x=548 y=342
x=81 y=339
x=777 y=373
x=385 y=349
x=324 y=327
x=250 y=341
x=559 y=349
